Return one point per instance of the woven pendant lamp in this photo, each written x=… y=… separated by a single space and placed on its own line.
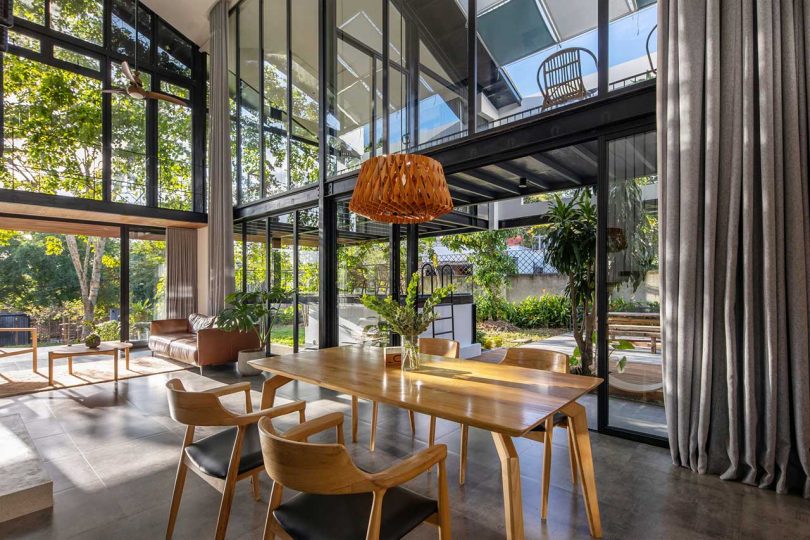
x=401 y=188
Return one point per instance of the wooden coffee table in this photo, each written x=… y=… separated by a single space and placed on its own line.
x=110 y=348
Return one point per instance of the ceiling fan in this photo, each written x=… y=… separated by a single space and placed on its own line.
x=135 y=88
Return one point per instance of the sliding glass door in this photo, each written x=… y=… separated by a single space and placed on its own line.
x=147 y=281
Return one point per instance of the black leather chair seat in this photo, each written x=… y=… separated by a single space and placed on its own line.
x=559 y=418
x=212 y=454
x=345 y=517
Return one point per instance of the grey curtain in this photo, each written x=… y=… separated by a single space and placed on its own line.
x=181 y=272
x=220 y=203
x=735 y=237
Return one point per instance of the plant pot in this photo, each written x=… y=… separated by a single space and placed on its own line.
x=242 y=366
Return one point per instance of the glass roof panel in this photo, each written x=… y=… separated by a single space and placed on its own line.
x=514 y=30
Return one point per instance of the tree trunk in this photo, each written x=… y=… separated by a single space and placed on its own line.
x=89 y=285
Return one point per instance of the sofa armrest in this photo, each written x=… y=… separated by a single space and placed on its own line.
x=169 y=326
x=217 y=346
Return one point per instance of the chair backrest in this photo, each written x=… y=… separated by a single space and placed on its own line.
x=439 y=347
x=562 y=76
x=649 y=53
x=531 y=357
x=196 y=408
x=324 y=469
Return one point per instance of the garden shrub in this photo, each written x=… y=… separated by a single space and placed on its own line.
x=109 y=330
x=631 y=306
x=546 y=311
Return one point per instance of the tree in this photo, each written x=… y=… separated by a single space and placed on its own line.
x=88 y=271
x=492 y=265
x=571 y=248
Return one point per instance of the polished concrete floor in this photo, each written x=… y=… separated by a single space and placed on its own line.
x=112 y=451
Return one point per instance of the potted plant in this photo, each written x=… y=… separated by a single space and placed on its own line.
x=406 y=320
x=253 y=311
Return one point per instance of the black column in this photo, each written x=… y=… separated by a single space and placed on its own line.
x=412 y=250
x=393 y=270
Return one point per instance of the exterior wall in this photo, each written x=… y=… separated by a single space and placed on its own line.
x=522 y=287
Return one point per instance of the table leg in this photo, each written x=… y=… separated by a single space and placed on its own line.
x=50 y=369
x=354 y=419
x=269 y=389
x=578 y=424
x=115 y=364
x=70 y=365
x=126 y=358
x=34 y=346
x=510 y=474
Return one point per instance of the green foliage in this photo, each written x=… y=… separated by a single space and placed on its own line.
x=621 y=305
x=109 y=330
x=546 y=311
x=613 y=345
x=491 y=262
x=253 y=311
x=406 y=320
x=639 y=228
x=570 y=240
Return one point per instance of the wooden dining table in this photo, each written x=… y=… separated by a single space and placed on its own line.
x=507 y=401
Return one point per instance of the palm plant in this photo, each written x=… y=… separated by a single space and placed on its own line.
x=253 y=311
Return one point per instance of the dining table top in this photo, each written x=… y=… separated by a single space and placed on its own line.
x=505 y=399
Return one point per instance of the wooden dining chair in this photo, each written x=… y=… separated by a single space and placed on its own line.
x=534 y=358
x=336 y=499
x=226 y=457
x=433 y=346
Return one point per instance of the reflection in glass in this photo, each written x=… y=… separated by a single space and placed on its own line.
x=173 y=51
x=634 y=322
x=123 y=32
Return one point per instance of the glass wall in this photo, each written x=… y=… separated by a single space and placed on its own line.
x=635 y=382
x=147 y=281
x=305 y=85
x=276 y=109
x=63 y=136
x=249 y=100
x=632 y=42
x=308 y=279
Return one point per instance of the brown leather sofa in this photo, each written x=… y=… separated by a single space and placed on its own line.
x=176 y=339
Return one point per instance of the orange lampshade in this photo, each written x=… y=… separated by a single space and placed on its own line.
x=401 y=188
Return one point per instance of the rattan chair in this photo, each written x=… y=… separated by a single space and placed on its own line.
x=336 y=499
x=560 y=77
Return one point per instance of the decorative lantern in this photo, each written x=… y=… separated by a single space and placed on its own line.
x=401 y=188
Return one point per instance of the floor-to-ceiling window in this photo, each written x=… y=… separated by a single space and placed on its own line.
x=70 y=125
x=147 y=280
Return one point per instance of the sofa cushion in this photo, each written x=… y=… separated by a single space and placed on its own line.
x=184 y=349
x=160 y=343
x=198 y=321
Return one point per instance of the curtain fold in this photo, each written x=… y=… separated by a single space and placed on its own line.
x=181 y=272
x=735 y=237
x=220 y=202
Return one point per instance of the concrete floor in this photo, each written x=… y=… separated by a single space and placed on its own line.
x=112 y=451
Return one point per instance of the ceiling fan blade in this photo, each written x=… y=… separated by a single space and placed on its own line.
x=166 y=97
x=114 y=91
x=127 y=72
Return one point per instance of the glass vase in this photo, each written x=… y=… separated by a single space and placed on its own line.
x=410 y=353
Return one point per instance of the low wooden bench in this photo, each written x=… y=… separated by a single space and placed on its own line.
x=635 y=327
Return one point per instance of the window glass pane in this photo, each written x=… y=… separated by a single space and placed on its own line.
x=24 y=41
x=632 y=46
x=250 y=127
x=304 y=157
x=398 y=83
x=52 y=131
x=281 y=275
x=174 y=52
x=238 y=266
x=66 y=55
x=30 y=10
x=363 y=263
x=308 y=279
x=275 y=96
x=123 y=29
x=232 y=91
x=256 y=255
x=516 y=38
x=359 y=52
x=174 y=156
x=442 y=70
x=175 y=90
x=634 y=320
x=82 y=19
x=129 y=158
x=147 y=282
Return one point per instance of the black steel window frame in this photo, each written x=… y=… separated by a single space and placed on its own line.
x=196 y=84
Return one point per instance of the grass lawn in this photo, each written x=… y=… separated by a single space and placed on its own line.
x=282 y=335
x=494 y=334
